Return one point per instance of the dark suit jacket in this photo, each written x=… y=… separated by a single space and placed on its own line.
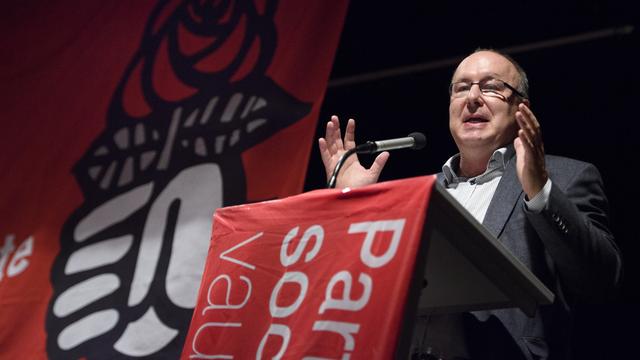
x=568 y=246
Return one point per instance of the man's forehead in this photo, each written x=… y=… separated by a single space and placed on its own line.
x=485 y=64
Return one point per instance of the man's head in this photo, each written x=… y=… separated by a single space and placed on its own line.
x=486 y=89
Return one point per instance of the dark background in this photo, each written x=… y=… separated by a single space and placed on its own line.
x=581 y=60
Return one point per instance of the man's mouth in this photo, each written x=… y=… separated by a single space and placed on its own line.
x=476 y=120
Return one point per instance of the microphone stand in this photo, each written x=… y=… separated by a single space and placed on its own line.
x=332 y=181
x=414 y=141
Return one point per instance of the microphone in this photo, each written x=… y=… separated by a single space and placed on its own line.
x=415 y=141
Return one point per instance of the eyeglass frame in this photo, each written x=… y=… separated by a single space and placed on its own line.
x=506 y=84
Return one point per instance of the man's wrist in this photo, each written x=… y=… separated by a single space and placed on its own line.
x=540 y=200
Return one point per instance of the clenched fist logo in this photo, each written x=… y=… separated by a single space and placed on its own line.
x=193 y=98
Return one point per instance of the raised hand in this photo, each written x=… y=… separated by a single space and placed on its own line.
x=332 y=146
x=530 y=164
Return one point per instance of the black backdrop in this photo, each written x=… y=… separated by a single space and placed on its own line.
x=584 y=78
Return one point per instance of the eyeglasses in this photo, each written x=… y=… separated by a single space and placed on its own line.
x=488 y=87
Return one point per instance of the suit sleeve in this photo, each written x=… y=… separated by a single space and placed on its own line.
x=574 y=230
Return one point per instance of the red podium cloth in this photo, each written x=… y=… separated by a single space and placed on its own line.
x=323 y=274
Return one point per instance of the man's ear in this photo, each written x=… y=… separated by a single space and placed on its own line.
x=526 y=102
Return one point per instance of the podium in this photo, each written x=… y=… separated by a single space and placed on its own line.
x=343 y=273
x=466 y=269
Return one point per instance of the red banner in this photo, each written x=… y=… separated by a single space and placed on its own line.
x=124 y=126
x=319 y=275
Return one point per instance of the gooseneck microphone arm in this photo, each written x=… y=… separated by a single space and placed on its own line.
x=332 y=181
x=414 y=141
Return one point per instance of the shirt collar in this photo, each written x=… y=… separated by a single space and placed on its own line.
x=495 y=167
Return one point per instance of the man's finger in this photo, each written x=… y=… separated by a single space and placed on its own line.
x=527 y=111
x=324 y=151
x=530 y=119
x=337 y=135
x=526 y=140
x=329 y=135
x=349 y=136
x=531 y=134
x=528 y=122
x=379 y=162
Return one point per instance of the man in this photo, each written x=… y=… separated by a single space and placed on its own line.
x=549 y=211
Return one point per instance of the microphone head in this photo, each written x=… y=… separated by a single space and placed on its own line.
x=419 y=140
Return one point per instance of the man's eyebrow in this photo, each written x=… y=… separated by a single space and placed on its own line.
x=486 y=77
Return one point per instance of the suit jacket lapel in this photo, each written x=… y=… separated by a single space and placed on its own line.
x=504 y=200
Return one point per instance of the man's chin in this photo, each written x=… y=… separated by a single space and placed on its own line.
x=476 y=142
x=473 y=139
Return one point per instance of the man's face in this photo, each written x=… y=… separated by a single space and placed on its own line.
x=478 y=121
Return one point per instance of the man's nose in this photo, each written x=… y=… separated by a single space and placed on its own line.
x=474 y=97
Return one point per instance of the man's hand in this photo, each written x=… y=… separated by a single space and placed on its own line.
x=530 y=152
x=332 y=146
